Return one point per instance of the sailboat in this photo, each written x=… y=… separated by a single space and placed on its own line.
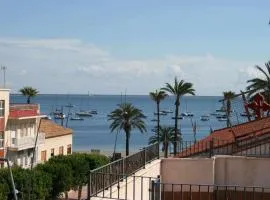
x=187 y=113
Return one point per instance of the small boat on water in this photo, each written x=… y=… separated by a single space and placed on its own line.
x=205 y=118
x=83 y=114
x=76 y=118
x=167 y=111
x=160 y=113
x=153 y=120
x=222 y=119
x=93 y=112
x=187 y=114
x=59 y=116
x=69 y=105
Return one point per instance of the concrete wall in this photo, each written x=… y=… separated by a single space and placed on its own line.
x=243 y=171
x=220 y=170
x=55 y=143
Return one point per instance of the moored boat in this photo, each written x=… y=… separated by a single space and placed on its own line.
x=205 y=118
x=76 y=118
x=83 y=114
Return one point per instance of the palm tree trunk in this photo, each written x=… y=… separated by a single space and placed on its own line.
x=228 y=112
x=28 y=99
x=165 y=146
x=158 y=126
x=127 y=142
x=176 y=126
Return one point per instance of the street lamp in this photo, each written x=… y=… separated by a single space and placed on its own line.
x=11 y=177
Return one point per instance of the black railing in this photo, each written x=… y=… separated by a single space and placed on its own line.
x=169 y=191
x=254 y=147
x=150 y=188
x=104 y=177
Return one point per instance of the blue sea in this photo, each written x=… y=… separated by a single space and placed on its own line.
x=94 y=133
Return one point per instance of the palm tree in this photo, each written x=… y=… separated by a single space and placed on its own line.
x=166 y=137
x=127 y=117
x=228 y=96
x=28 y=92
x=260 y=84
x=179 y=89
x=158 y=96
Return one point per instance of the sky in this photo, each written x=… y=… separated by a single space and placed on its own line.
x=109 y=47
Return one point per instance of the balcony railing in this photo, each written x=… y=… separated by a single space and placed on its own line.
x=151 y=188
x=98 y=181
x=27 y=142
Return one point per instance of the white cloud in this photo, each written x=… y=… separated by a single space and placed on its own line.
x=70 y=65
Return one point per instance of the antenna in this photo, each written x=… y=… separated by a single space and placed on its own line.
x=4 y=68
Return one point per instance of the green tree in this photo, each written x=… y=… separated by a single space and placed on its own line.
x=228 y=96
x=127 y=117
x=61 y=175
x=29 y=92
x=80 y=165
x=5 y=183
x=261 y=85
x=158 y=96
x=178 y=89
x=166 y=137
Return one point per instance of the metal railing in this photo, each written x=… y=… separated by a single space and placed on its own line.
x=108 y=175
x=150 y=188
x=169 y=191
x=254 y=147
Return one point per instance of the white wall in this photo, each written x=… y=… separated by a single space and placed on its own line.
x=220 y=170
x=243 y=171
x=55 y=143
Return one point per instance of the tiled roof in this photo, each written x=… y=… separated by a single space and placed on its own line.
x=227 y=136
x=52 y=129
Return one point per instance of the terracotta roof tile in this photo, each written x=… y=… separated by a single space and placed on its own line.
x=52 y=129
x=227 y=136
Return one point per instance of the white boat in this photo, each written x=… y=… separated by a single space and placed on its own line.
x=222 y=119
x=167 y=111
x=76 y=118
x=93 y=112
x=187 y=114
x=205 y=118
x=83 y=114
x=59 y=116
x=160 y=113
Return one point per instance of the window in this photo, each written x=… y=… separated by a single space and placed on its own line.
x=52 y=152
x=61 y=150
x=43 y=155
x=2 y=108
x=69 y=149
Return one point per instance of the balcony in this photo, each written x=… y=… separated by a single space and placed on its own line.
x=17 y=111
x=26 y=142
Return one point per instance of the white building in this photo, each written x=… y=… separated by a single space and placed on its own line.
x=19 y=125
x=58 y=140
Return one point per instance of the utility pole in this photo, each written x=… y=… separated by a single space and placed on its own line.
x=4 y=68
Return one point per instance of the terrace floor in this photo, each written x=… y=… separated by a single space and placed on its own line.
x=151 y=170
